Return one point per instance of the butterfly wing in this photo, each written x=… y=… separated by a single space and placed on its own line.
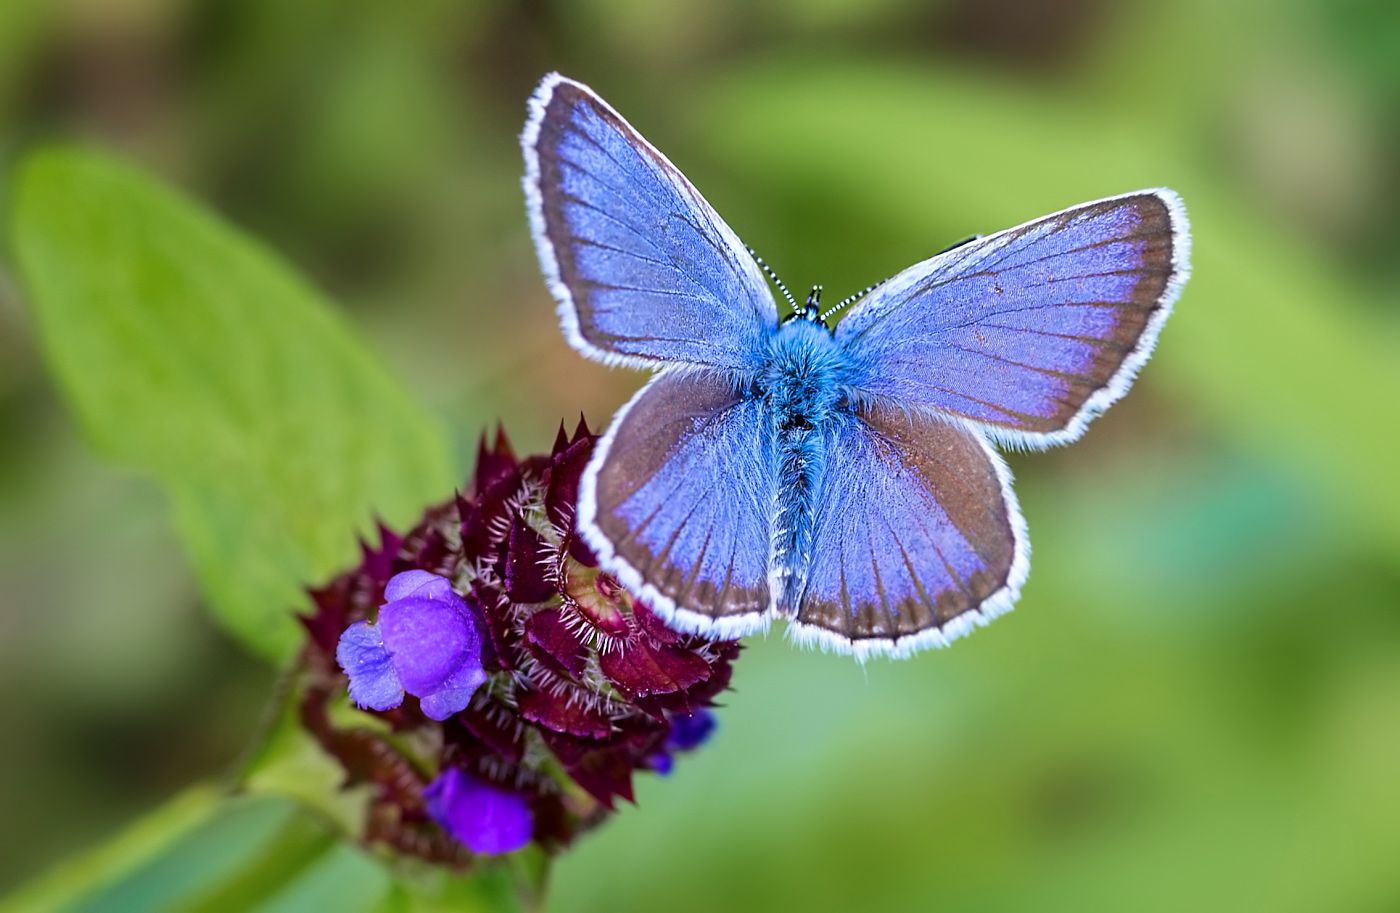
x=677 y=499
x=644 y=270
x=917 y=536
x=1031 y=332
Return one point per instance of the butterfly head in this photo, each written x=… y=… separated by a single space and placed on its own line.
x=811 y=311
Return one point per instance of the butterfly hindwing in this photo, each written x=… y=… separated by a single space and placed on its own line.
x=1030 y=332
x=644 y=270
x=917 y=536
x=677 y=501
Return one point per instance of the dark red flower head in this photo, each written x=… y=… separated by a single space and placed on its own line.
x=553 y=684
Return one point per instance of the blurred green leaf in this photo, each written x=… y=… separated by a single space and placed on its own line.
x=207 y=851
x=189 y=352
x=22 y=23
x=128 y=851
x=279 y=861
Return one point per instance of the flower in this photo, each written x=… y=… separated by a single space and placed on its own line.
x=543 y=685
x=425 y=643
x=481 y=817
x=688 y=732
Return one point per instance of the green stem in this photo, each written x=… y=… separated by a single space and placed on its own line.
x=512 y=885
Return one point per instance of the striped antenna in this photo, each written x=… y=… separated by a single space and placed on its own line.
x=768 y=270
x=851 y=299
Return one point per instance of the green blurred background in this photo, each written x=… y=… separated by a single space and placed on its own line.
x=1197 y=702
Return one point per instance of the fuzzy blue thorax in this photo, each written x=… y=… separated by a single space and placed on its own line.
x=800 y=384
x=800 y=379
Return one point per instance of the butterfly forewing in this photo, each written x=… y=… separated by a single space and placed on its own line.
x=917 y=536
x=644 y=270
x=678 y=498
x=1030 y=332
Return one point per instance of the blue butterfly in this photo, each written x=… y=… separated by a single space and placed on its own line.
x=840 y=478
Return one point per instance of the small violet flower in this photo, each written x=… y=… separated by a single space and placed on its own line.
x=688 y=732
x=485 y=819
x=425 y=643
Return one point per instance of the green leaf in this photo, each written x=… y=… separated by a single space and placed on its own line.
x=279 y=861
x=189 y=352
x=23 y=24
x=207 y=850
x=128 y=851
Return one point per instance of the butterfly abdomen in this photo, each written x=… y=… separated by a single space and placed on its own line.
x=800 y=384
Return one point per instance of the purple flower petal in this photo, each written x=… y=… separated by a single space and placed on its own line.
x=455 y=694
x=484 y=818
x=362 y=655
x=406 y=584
x=690 y=730
x=425 y=642
x=429 y=635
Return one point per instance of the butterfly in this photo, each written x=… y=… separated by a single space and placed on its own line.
x=843 y=477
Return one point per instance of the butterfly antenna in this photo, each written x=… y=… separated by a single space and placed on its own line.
x=852 y=299
x=768 y=271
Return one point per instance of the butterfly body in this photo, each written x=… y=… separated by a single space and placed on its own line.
x=839 y=478
x=800 y=386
